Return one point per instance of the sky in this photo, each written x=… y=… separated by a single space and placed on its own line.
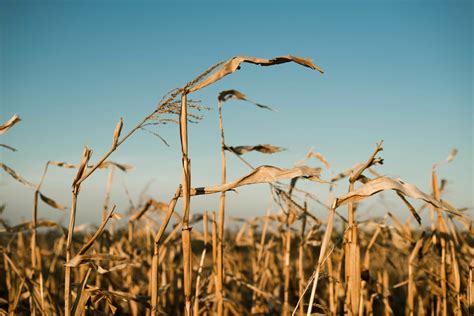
x=398 y=71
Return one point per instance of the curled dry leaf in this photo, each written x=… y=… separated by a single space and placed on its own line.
x=9 y=124
x=263 y=148
x=104 y=165
x=117 y=216
x=122 y=266
x=312 y=154
x=86 y=155
x=51 y=202
x=231 y=94
x=234 y=64
x=29 y=225
x=149 y=205
x=111 y=164
x=322 y=159
x=117 y=131
x=80 y=259
x=8 y=147
x=295 y=209
x=410 y=207
x=82 y=296
x=385 y=183
x=15 y=175
x=346 y=173
x=99 y=231
x=263 y=174
x=237 y=95
x=450 y=158
x=63 y=164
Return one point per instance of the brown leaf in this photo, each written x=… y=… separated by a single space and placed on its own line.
x=231 y=94
x=52 y=202
x=234 y=64
x=8 y=147
x=263 y=148
x=82 y=297
x=86 y=155
x=237 y=95
x=104 y=165
x=385 y=183
x=346 y=173
x=97 y=234
x=263 y=174
x=312 y=154
x=15 y=175
x=122 y=266
x=80 y=259
x=450 y=158
x=117 y=131
x=9 y=124
x=29 y=225
x=109 y=164
x=63 y=164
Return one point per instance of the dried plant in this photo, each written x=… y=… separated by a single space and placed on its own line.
x=152 y=261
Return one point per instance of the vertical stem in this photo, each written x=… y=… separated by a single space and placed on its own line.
x=105 y=208
x=156 y=253
x=470 y=289
x=411 y=278
x=186 y=184
x=352 y=264
x=286 y=266
x=301 y=283
x=33 y=233
x=220 y=237
x=108 y=187
x=214 y=250
x=322 y=253
x=201 y=264
x=67 y=279
x=35 y=218
x=33 y=245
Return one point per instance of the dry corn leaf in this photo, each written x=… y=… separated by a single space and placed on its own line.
x=80 y=259
x=312 y=154
x=234 y=64
x=117 y=131
x=263 y=148
x=82 y=297
x=122 y=266
x=263 y=174
x=104 y=165
x=29 y=225
x=7 y=147
x=63 y=164
x=231 y=94
x=9 y=124
x=86 y=155
x=237 y=95
x=16 y=176
x=450 y=158
x=109 y=164
x=52 y=202
x=82 y=303
x=148 y=205
x=347 y=172
x=385 y=183
x=97 y=233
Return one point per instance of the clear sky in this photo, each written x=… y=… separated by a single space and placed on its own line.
x=397 y=71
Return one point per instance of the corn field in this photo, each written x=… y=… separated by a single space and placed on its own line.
x=160 y=260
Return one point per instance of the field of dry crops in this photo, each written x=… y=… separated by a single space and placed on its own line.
x=160 y=260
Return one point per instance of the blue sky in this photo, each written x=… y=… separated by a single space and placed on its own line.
x=398 y=71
